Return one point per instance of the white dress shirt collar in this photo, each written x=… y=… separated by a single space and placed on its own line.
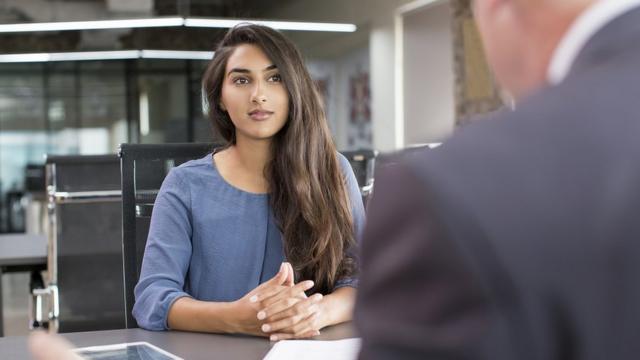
x=581 y=31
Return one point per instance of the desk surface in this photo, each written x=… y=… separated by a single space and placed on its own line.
x=23 y=249
x=184 y=344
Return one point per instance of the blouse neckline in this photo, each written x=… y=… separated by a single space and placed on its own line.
x=227 y=184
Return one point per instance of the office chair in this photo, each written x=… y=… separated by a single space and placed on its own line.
x=363 y=163
x=143 y=168
x=84 y=277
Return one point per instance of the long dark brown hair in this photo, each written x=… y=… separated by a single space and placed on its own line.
x=307 y=190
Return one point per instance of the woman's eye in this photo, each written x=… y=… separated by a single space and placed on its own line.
x=241 y=81
x=276 y=78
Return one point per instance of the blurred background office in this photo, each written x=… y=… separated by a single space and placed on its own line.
x=408 y=73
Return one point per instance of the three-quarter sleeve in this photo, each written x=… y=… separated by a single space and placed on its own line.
x=167 y=255
x=357 y=212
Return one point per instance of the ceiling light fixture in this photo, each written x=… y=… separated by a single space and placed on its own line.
x=173 y=22
x=92 y=25
x=107 y=55
x=176 y=54
x=280 y=25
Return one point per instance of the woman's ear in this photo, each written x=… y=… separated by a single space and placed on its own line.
x=222 y=106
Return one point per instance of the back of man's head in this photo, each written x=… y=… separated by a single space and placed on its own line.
x=520 y=37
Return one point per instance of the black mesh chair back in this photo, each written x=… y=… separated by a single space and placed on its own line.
x=84 y=278
x=143 y=168
x=363 y=165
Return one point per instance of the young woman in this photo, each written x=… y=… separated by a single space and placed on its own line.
x=223 y=225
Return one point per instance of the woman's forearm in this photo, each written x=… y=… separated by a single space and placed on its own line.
x=338 y=306
x=238 y=316
x=202 y=316
x=228 y=317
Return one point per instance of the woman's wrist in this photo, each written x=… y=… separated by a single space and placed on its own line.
x=230 y=318
x=202 y=316
x=337 y=307
x=326 y=315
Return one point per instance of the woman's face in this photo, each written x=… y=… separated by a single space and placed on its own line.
x=253 y=94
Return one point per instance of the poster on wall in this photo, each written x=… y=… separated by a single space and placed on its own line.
x=476 y=89
x=323 y=84
x=359 y=130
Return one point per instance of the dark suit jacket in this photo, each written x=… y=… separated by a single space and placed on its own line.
x=519 y=238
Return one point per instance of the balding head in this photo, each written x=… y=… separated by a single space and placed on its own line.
x=520 y=36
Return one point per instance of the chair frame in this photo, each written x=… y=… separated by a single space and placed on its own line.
x=129 y=154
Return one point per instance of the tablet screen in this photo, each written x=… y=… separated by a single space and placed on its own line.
x=127 y=351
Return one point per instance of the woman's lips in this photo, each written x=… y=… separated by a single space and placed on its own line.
x=260 y=115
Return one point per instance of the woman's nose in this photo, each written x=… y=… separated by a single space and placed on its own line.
x=258 y=96
x=258 y=99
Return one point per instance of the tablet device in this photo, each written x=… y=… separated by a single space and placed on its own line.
x=126 y=351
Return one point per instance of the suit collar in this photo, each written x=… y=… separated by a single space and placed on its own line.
x=586 y=30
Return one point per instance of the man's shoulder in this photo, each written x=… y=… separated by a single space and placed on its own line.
x=492 y=144
x=544 y=120
x=487 y=137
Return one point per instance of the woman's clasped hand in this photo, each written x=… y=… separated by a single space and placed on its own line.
x=280 y=309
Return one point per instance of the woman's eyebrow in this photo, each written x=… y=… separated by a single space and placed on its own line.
x=239 y=70
x=247 y=71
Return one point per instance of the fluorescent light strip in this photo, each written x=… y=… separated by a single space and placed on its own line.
x=94 y=55
x=107 y=55
x=93 y=25
x=280 y=25
x=176 y=54
x=20 y=58
x=173 y=22
x=144 y=113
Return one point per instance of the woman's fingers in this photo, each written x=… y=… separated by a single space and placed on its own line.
x=280 y=306
x=295 y=323
x=290 y=281
x=305 y=326
x=272 y=296
x=276 y=282
x=289 y=307
x=268 y=292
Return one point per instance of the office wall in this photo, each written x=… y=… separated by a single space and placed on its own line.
x=428 y=78
x=347 y=98
x=474 y=90
x=376 y=19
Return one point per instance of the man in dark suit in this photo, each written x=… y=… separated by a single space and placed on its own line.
x=519 y=238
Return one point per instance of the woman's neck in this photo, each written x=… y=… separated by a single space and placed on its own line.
x=252 y=155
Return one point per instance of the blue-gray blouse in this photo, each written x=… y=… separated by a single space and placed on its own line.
x=212 y=241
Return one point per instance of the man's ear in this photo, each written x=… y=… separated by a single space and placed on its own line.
x=506 y=12
x=493 y=5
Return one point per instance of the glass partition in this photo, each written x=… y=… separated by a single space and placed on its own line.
x=89 y=108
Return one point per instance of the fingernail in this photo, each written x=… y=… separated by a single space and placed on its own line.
x=309 y=284
x=254 y=298
x=317 y=297
x=266 y=328
x=282 y=266
x=273 y=338
x=261 y=315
